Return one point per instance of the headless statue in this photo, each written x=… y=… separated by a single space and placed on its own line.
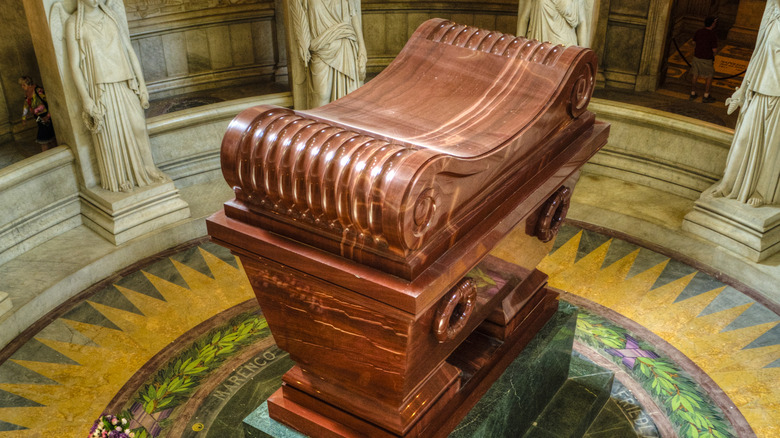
x=108 y=78
x=329 y=52
x=752 y=172
x=566 y=22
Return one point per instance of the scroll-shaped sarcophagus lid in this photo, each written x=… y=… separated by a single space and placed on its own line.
x=400 y=171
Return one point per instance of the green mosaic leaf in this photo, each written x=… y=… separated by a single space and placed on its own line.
x=174 y=383
x=688 y=408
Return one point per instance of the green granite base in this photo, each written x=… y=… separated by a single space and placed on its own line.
x=259 y=425
x=529 y=383
x=577 y=404
x=514 y=401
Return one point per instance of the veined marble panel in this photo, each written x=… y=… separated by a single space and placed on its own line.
x=175 y=47
x=152 y=52
x=219 y=47
x=198 y=56
x=242 y=44
x=387 y=26
x=263 y=38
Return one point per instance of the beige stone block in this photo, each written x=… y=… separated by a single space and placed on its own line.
x=395 y=32
x=414 y=20
x=241 y=44
x=374 y=34
x=44 y=194
x=485 y=21
x=198 y=59
x=263 y=41
x=152 y=58
x=219 y=47
x=175 y=49
x=507 y=24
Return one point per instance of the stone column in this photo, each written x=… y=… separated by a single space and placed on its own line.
x=116 y=216
x=654 y=44
x=747 y=22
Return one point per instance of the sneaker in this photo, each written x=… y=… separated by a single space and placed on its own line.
x=708 y=99
x=693 y=96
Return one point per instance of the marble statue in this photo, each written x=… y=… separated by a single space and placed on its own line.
x=567 y=22
x=752 y=174
x=107 y=76
x=329 y=55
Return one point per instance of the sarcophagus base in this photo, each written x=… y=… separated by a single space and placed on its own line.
x=534 y=377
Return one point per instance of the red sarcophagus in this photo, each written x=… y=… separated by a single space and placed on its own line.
x=366 y=225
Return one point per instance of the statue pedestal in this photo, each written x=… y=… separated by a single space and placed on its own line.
x=751 y=232
x=121 y=216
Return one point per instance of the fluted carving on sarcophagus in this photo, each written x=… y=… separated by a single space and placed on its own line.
x=356 y=179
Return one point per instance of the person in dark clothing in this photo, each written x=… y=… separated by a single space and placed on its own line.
x=704 y=57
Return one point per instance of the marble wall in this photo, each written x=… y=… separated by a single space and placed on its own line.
x=634 y=34
x=17 y=58
x=388 y=25
x=190 y=45
x=688 y=16
x=185 y=144
x=672 y=153
x=40 y=197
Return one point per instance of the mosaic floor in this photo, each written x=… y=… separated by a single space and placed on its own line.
x=179 y=344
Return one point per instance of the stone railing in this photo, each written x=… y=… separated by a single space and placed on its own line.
x=40 y=200
x=661 y=150
x=188 y=50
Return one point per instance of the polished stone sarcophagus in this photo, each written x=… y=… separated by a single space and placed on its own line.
x=365 y=226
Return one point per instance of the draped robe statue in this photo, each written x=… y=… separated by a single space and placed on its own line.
x=752 y=172
x=108 y=79
x=329 y=56
x=567 y=22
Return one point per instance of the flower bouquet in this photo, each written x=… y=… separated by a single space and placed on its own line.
x=109 y=426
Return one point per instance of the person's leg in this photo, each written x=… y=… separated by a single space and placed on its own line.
x=693 y=85
x=707 y=98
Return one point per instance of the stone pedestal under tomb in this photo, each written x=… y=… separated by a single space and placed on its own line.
x=543 y=392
